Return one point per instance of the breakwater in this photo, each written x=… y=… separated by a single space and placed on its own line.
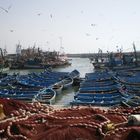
x=89 y=55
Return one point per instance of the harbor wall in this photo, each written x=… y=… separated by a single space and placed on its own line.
x=88 y=55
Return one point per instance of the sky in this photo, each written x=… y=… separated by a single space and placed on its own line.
x=74 y=26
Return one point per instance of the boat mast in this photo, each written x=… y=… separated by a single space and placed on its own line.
x=1 y=53
x=61 y=46
x=135 y=54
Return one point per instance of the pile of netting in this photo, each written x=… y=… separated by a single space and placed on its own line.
x=23 y=121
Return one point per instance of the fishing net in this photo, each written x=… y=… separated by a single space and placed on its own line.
x=35 y=121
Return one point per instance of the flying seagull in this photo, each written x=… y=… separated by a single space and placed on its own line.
x=11 y=30
x=87 y=34
x=39 y=14
x=93 y=24
x=4 y=9
x=9 y=7
x=51 y=15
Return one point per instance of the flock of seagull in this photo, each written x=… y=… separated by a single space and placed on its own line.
x=39 y=14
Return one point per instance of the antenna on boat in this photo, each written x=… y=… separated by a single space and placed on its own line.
x=1 y=53
x=61 y=46
x=135 y=54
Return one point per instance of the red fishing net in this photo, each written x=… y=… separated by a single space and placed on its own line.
x=35 y=121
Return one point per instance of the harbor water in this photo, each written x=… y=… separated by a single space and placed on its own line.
x=83 y=65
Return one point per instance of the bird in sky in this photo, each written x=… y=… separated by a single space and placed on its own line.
x=51 y=15
x=39 y=14
x=9 y=7
x=87 y=34
x=93 y=24
x=6 y=10
x=11 y=30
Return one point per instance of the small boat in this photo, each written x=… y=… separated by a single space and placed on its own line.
x=97 y=84
x=24 y=96
x=104 y=89
x=28 y=81
x=74 y=74
x=97 y=99
x=57 y=88
x=67 y=82
x=46 y=96
x=113 y=101
x=132 y=101
x=98 y=78
x=98 y=95
x=45 y=79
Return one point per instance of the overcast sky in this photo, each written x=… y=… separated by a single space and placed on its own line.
x=82 y=26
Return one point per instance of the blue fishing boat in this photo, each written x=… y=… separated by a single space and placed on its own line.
x=57 y=88
x=98 y=76
x=45 y=79
x=102 y=89
x=106 y=99
x=98 y=89
x=96 y=84
x=131 y=101
x=46 y=96
x=101 y=95
x=28 y=81
x=18 y=95
x=75 y=74
x=67 y=82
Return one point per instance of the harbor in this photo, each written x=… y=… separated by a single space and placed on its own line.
x=67 y=95
x=101 y=103
x=69 y=70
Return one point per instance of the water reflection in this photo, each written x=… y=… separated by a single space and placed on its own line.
x=83 y=65
x=66 y=96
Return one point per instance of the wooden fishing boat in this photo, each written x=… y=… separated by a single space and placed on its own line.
x=75 y=74
x=130 y=78
x=104 y=89
x=99 y=89
x=99 y=95
x=18 y=95
x=27 y=81
x=67 y=82
x=46 y=96
x=45 y=79
x=49 y=75
x=97 y=84
x=98 y=76
x=132 y=101
x=98 y=99
x=57 y=88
